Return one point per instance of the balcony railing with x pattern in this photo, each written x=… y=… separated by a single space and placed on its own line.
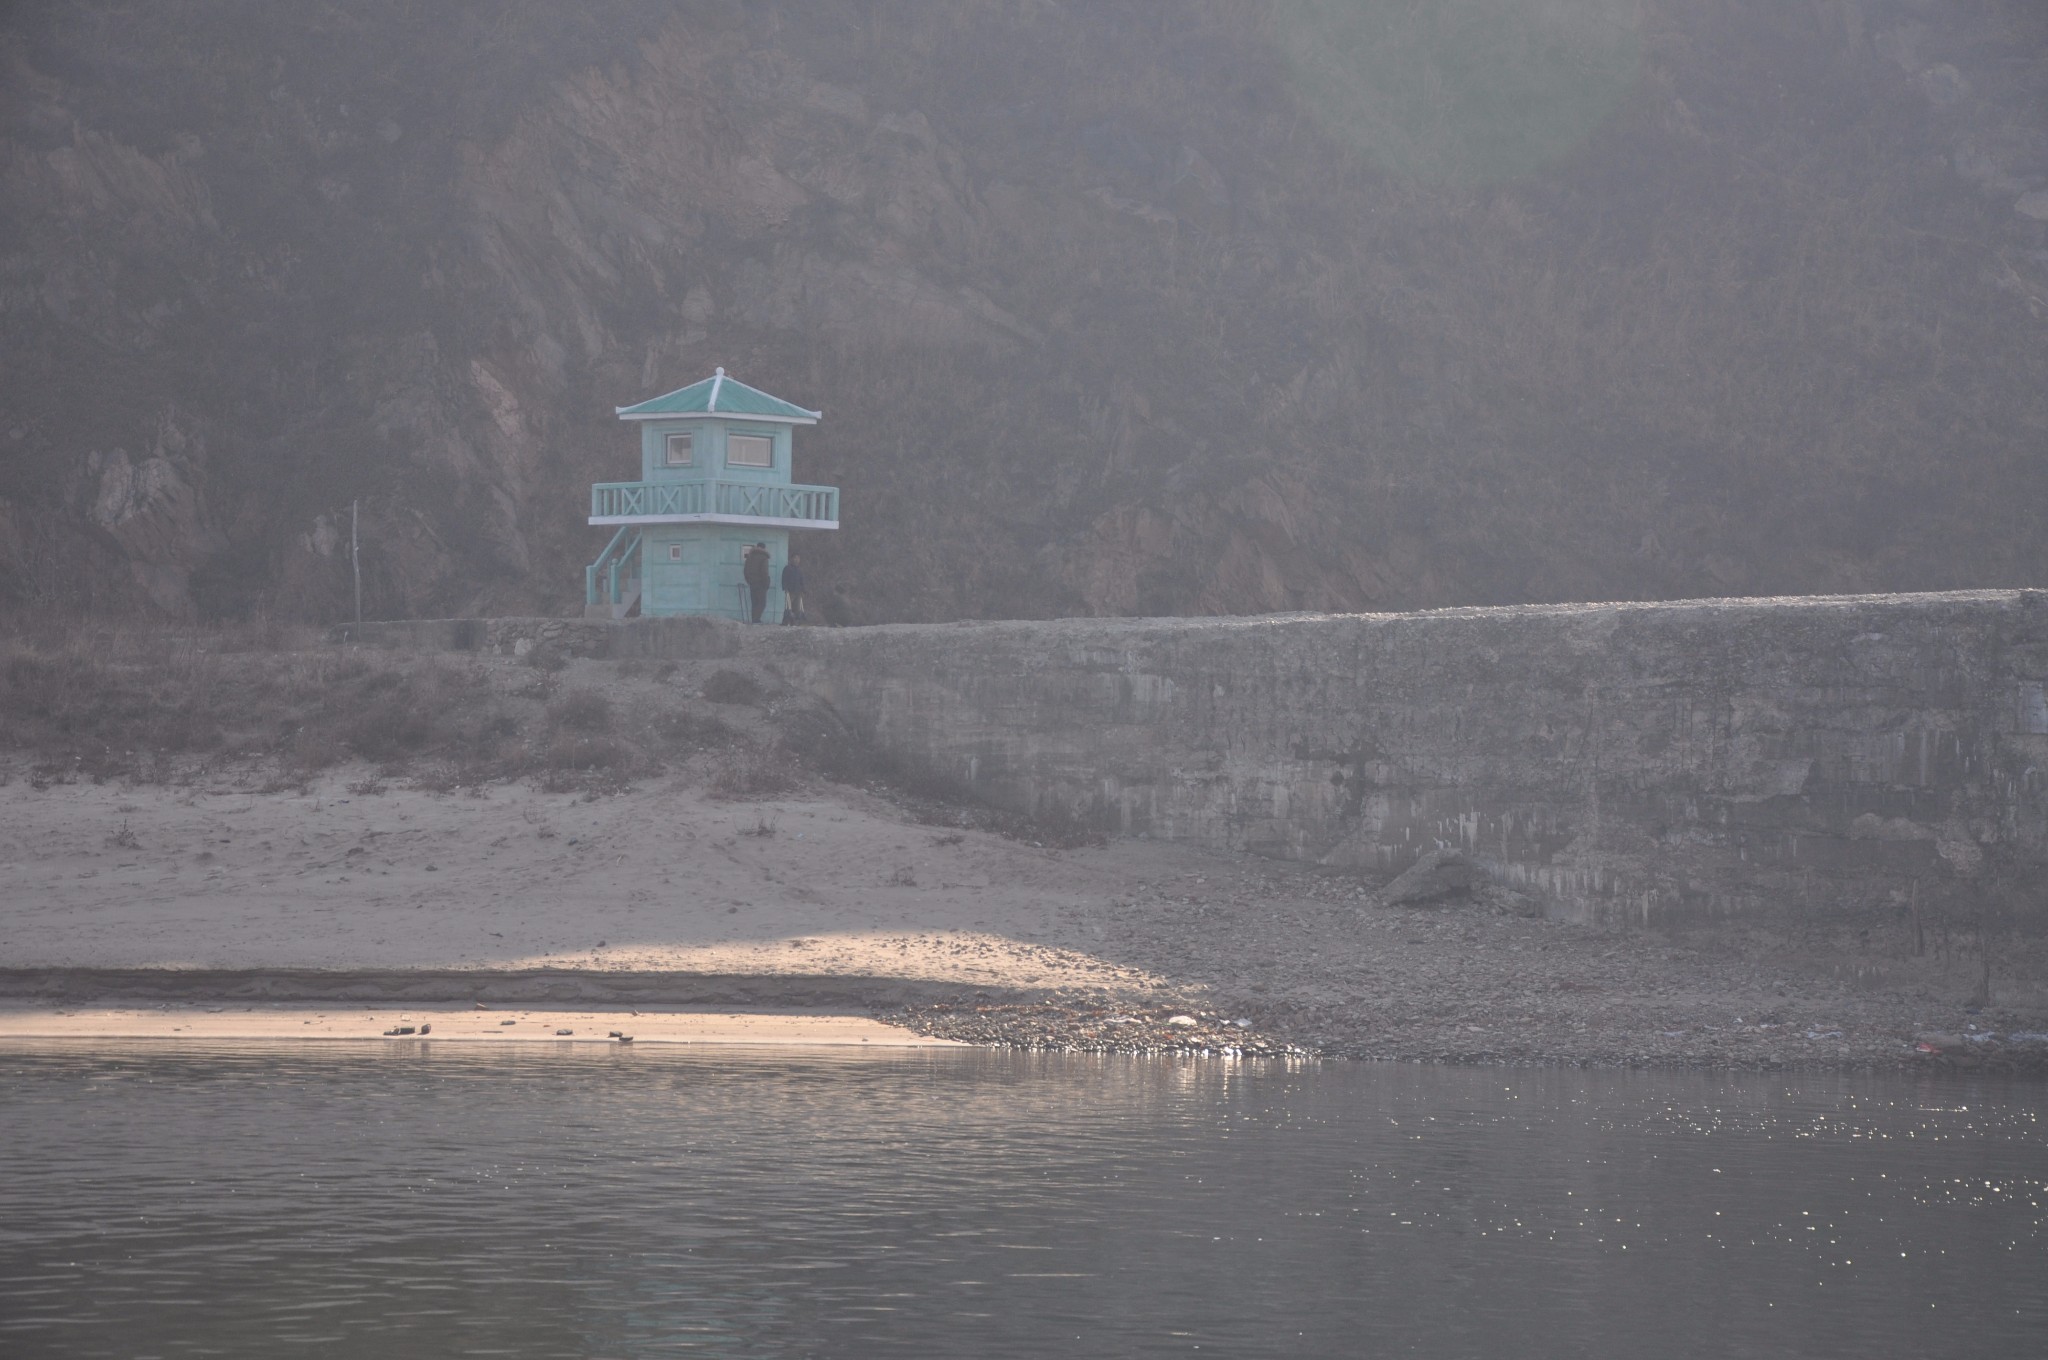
x=713 y=501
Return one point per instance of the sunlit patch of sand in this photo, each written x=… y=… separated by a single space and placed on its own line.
x=969 y=957
x=451 y=1024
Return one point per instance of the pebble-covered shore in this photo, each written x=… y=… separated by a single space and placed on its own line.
x=1083 y=1027
x=1268 y=960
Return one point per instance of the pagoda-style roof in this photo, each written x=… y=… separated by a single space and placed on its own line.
x=719 y=395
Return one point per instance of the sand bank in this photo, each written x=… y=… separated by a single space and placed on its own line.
x=452 y=1025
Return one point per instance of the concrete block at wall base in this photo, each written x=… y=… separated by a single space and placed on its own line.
x=1438 y=876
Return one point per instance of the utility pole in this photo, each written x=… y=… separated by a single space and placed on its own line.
x=355 y=553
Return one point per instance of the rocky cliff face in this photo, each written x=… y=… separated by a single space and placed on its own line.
x=1122 y=308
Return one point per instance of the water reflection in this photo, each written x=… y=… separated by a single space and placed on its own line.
x=627 y=1203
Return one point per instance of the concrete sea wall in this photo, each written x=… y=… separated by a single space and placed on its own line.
x=1668 y=763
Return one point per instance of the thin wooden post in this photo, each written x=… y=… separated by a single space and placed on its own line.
x=355 y=553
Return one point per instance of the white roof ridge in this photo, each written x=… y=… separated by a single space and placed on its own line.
x=716 y=382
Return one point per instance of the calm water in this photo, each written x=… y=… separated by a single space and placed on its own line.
x=428 y=1202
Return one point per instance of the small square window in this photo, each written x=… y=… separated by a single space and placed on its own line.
x=678 y=451
x=675 y=552
x=750 y=450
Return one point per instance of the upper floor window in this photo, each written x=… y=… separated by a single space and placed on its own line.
x=750 y=450
x=678 y=454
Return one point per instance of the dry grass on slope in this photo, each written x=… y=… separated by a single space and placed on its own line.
x=159 y=704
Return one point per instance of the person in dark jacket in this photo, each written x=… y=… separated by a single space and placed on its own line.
x=793 y=590
x=754 y=571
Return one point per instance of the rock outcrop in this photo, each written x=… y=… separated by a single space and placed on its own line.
x=1438 y=876
x=1108 y=313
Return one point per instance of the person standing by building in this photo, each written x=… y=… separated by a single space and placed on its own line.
x=754 y=571
x=793 y=590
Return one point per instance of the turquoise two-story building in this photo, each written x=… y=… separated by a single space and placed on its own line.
x=714 y=479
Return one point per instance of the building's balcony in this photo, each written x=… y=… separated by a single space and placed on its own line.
x=768 y=505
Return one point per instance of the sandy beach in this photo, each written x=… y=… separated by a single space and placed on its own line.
x=350 y=907
x=662 y=879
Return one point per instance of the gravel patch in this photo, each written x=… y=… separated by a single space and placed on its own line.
x=1272 y=960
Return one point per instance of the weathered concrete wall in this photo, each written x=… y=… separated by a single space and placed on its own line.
x=673 y=637
x=1652 y=762
x=501 y=637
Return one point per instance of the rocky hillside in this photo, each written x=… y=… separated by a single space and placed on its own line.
x=1191 y=307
